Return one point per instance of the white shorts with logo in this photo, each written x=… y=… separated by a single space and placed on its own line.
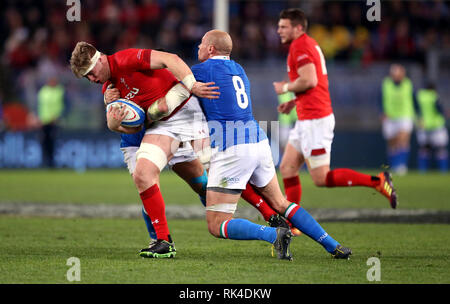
x=313 y=139
x=185 y=153
x=435 y=138
x=391 y=127
x=187 y=124
x=240 y=164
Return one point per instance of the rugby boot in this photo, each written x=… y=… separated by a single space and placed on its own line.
x=342 y=252
x=386 y=187
x=159 y=249
x=282 y=243
x=277 y=220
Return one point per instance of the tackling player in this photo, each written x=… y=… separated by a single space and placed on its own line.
x=242 y=154
x=310 y=140
x=149 y=78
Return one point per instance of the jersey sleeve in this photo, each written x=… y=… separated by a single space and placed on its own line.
x=133 y=59
x=301 y=55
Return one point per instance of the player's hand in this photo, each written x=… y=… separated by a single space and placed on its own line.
x=278 y=86
x=286 y=107
x=115 y=116
x=205 y=90
x=111 y=94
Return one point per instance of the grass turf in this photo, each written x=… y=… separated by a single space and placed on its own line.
x=415 y=191
x=35 y=250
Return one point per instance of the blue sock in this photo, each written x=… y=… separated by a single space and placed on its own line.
x=241 y=229
x=394 y=159
x=148 y=223
x=404 y=157
x=203 y=199
x=442 y=159
x=203 y=179
x=423 y=160
x=303 y=221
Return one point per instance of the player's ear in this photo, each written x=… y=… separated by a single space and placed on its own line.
x=211 y=49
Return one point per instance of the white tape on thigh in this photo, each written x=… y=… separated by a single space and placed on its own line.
x=320 y=160
x=225 y=208
x=204 y=155
x=176 y=95
x=152 y=153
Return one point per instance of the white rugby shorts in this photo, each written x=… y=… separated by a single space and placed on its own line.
x=313 y=139
x=436 y=138
x=189 y=123
x=185 y=153
x=240 y=164
x=391 y=127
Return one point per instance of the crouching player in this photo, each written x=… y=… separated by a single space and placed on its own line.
x=242 y=154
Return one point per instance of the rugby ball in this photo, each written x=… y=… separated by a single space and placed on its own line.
x=135 y=116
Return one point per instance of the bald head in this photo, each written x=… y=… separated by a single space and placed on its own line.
x=220 y=40
x=214 y=43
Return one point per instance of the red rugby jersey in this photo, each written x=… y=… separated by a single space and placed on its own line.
x=131 y=74
x=313 y=103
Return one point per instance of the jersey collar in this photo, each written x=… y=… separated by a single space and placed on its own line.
x=221 y=57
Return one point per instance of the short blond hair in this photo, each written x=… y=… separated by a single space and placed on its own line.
x=81 y=58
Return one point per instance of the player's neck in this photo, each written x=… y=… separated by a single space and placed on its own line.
x=298 y=35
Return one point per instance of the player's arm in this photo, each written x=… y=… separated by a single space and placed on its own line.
x=306 y=80
x=164 y=60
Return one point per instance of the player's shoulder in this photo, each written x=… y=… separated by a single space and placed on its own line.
x=134 y=53
x=303 y=42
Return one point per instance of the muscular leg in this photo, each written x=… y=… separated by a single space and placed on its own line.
x=290 y=165
x=298 y=216
x=221 y=204
x=146 y=178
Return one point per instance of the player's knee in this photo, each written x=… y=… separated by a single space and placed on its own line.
x=287 y=169
x=319 y=181
x=143 y=179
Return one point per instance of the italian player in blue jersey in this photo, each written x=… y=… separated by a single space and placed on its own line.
x=242 y=154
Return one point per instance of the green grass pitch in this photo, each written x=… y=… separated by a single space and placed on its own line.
x=416 y=191
x=35 y=250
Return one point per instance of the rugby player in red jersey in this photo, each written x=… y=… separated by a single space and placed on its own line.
x=149 y=78
x=311 y=138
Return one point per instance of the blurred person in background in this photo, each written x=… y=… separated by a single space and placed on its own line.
x=311 y=138
x=287 y=121
x=432 y=134
x=398 y=116
x=50 y=109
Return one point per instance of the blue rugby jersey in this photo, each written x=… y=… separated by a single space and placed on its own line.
x=230 y=118
x=132 y=140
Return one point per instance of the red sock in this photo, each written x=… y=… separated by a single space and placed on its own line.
x=293 y=189
x=349 y=177
x=258 y=202
x=154 y=206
